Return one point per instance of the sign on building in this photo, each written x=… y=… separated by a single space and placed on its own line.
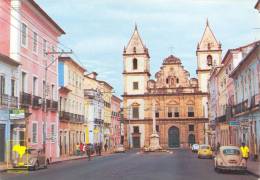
x=17 y=114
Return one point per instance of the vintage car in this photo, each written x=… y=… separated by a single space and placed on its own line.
x=119 y=148
x=32 y=159
x=205 y=151
x=229 y=158
x=195 y=147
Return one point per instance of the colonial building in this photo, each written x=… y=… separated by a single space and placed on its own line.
x=180 y=100
x=115 y=122
x=71 y=105
x=26 y=36
x=9 y=76
x=223 y=121
x=246 y=78
x=94 y=109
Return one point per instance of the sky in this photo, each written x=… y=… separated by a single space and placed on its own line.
x=97 y=30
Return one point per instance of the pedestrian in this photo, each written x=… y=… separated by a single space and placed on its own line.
x=245 y=151
x=81 y=148
x=77 y=149
x=99 y=149
x=106 y=146
x=218 y=146
x=88 y=151
x=96 y=148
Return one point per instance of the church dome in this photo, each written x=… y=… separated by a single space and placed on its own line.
x=171 y=60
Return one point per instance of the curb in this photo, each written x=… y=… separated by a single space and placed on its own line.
x=253 y=173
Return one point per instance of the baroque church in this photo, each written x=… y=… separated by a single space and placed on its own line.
x=181 y=102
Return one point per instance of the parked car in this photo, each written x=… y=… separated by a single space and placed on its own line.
x=205 y=151
x=229 y=158
x=32 y=159
x=119 y=148
x=195 y=147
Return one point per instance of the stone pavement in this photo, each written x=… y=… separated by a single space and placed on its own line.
x=253 y=167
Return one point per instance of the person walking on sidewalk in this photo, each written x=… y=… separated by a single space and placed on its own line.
x=245 y=151
x=88 y=151
x=99 y=149
x=106 y=146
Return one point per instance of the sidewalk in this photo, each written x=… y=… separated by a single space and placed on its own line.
x=253 y=167
x=3 y=167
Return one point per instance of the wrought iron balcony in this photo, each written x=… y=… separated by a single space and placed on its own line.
x=26 y=99
x=37 y=102
x=241 y=107
x=63 y=115
x=10 y=101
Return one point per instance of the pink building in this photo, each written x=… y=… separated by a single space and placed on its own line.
x=115 y=123
x=28 y=33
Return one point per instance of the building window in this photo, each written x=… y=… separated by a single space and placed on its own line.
x=52 y=91
x=52 y=54
x=167 y=80
x=209 y=60
x=53 y=133
x=35 y=42
x=157 y=114
x=170 y=111
x=35 y=86
x=177 y=80
x=44 y=48
x=2 y=85
x=135 y=85
x=135 y=66
x=13 y=87
x=23 y=81
x=157 y=128
x=190 y=111
x=24 y=36
x=43 y=88
x=135 y=112
x=191 y=127
x=136 y=129
x=34 y=132
x=176 y=112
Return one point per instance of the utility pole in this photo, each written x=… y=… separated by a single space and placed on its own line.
x=60 y=53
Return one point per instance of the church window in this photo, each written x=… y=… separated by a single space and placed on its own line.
x=191 y=127
x=135 y=66
x=135 y=85
x=190 y=111
x=135 y=112
x=167 y=80
x=157 y=114
x=209 y=60
x=177 y=80
x=176 y=112
x=157 y=128
x=136 y=129
x=170 y=111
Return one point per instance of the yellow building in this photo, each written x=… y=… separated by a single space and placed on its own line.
x=71 y=105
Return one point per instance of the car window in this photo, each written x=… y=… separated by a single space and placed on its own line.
x=204 y=147
x=231 y=152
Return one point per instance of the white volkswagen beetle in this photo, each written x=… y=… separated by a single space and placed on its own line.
x=229 y=158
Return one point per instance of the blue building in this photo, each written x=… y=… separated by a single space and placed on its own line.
x=9 y=94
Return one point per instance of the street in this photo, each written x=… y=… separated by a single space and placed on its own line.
x=180 y=165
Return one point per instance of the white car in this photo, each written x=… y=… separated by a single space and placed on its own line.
x=195 y=147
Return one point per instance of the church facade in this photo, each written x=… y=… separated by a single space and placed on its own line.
x=180 y=101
